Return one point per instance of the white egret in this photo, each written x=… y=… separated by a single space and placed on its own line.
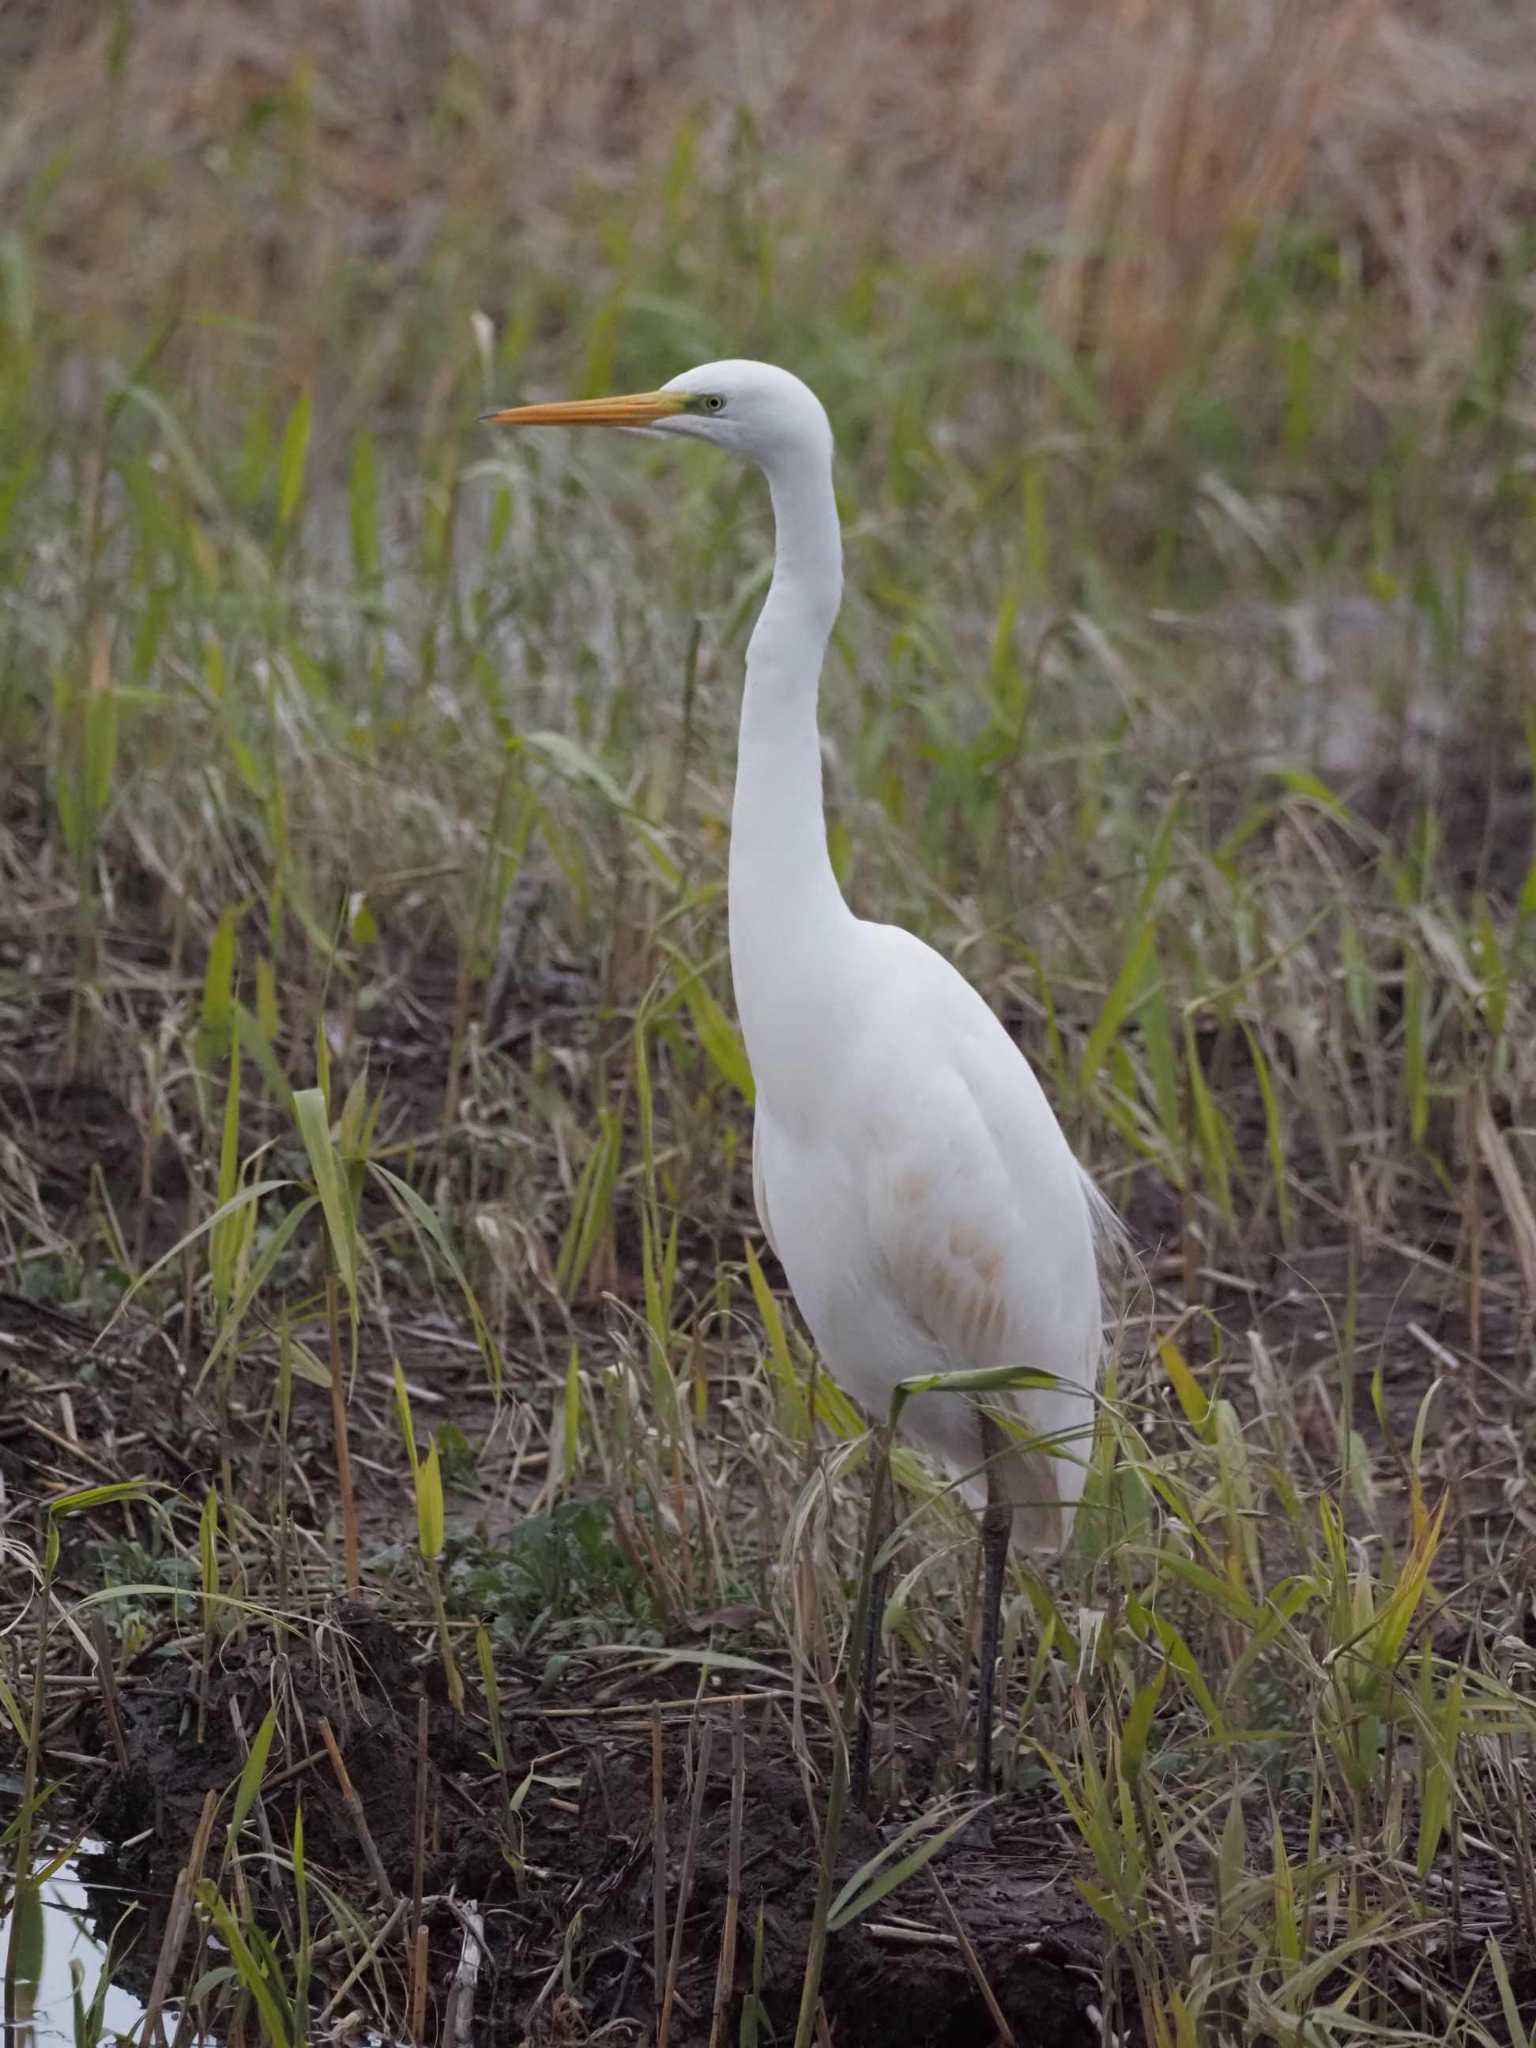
x=908 y=1170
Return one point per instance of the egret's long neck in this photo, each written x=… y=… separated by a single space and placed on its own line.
x=785 y=906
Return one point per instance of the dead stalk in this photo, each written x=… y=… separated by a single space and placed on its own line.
x=177 y=1920
x=725 y=1975
x=658 y=1864
x=349 y=1538
x=369 y=1955
x=1005 y=2033
x=459 y=2020
x=685 y=1883
x=419 y=1864
x=357 y=1816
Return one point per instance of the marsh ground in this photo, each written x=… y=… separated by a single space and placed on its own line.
x=364 y=1021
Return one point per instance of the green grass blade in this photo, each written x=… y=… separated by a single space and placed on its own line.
x=314 y=1123
x=252 y=1772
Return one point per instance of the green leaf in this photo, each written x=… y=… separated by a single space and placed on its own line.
x=24 y=1953
x=89 y=2020
x=252 y=1772
x=361 y=922
x=1119 y=1002
x=781 y=1370
x=269 y=2001
x=300 y=1870
x=1440 y=1775
x=754 y=2015
x=363 y=511
x=13 y=1713
x=1301 y=783
x=700 y=1660
x=577 y=765
x=570 y=1440
x=592 y=1204
x=305 y=1366
x=254 y=1193
x=87 y=1497
x=403 y=1413
x=1211 y=1127
x=1182 y=1658
x=354 y=1127
x=1231 y=1857
x=1287 y=1925
x=292 y=457
x=1518 y=2036
x=227 y=1244
x=1385 y=1637
x=429 y=1505
x=252 y=1285
x=217 y=1018
x=314 y=1124
x=153 y=1589
x=1138 y=1722
x=426 y=1219
x=268 y=1017
x=991 y=1379
x=834 y=1408
x=1192 y=1397
x=256 y=1040
x=1226 y=1598
x=1043 y=349
x=721 y=1040
x=888 y=1868
x=1274 y=1136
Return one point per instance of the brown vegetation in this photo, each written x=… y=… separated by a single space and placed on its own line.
x=225 y=160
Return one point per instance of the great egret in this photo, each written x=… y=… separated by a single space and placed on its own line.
x=908 y=1170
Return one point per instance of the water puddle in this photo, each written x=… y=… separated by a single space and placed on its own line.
x=74 y=1961
x=68 y=1946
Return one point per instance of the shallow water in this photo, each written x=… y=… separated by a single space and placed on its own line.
x=66 y=1939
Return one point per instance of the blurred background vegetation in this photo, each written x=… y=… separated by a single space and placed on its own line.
x=1190 y=197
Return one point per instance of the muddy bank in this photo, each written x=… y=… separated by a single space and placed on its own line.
x=562 y=1875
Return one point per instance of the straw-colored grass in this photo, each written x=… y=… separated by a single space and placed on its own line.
x=229 y=162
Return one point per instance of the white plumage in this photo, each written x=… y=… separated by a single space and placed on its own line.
x=931 y=1218
x=908 y=1170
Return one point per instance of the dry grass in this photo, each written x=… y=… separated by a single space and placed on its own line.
x=229 y=162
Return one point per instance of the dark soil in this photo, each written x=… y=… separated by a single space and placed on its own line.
x=587 y=1851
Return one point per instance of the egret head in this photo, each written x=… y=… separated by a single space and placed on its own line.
x=751 y=409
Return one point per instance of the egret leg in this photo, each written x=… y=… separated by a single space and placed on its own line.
x=996 y=1528
x=869 y=1673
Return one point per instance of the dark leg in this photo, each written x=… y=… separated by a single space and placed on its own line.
x=869 y=1678
x=996 y=1528
x=869 y=1672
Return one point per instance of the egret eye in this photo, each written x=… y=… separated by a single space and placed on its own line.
x=714 y=403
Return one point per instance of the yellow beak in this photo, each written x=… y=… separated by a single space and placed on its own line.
x=640 y=409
